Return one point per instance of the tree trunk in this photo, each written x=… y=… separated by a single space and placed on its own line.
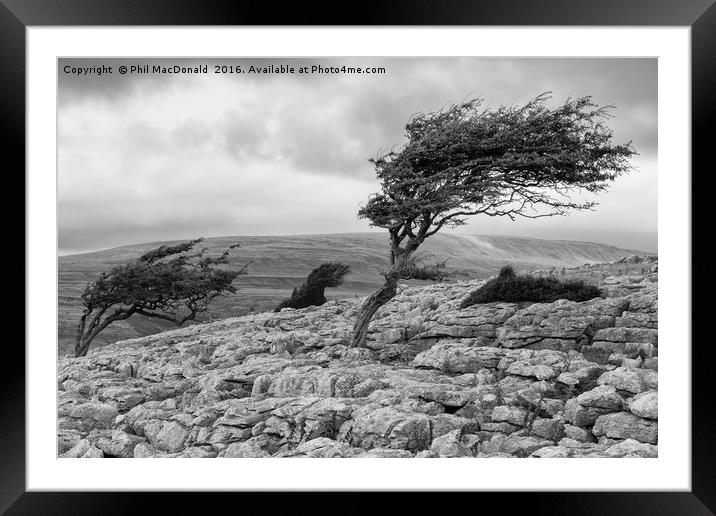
x=80 y=349
x=81 y=346
x=368 y=309
x=85 y=336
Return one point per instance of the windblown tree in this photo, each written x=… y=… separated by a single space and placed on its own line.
x=512 y=161
x=169 y=283
x=312 y=292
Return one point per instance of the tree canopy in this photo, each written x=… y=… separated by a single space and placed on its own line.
x=464 y=160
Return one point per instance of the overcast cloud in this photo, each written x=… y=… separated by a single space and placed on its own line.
x=160 y=157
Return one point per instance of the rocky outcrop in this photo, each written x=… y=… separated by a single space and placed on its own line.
x=560 y=379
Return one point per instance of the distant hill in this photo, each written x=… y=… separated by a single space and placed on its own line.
x=280 y=263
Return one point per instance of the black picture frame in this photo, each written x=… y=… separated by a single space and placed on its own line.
x=17 y=15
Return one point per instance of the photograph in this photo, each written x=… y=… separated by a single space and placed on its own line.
x=357 y=257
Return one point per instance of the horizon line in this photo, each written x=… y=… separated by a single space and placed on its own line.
x=61 y=253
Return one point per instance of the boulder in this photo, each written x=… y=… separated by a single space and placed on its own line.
x=455 y=357
x=67 y=438
x=582 y=379
x=627 y=334
x=83 y=450
x=580 y=434
x=645 y=404
x=390 y=428
x=544 y=365
x=579 y=415
x=169 y=436
x=552 y=429
x=562 y=325
x=516 y=445
x=387 y=453
x=625 y=425
x=637 y=320
x=117 y=443
x=94 y=415
x=651 y=363
x=321 y=447
x=449 y=445
x=124 y=398
x=630 y=380
x=144 y=450
x=603 y=397
x=502 y=427
x=510 y=414
x=251 y=448
x=442 y=424
x=632 y=448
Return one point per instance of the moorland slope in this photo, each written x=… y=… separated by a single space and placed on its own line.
x=280 y=263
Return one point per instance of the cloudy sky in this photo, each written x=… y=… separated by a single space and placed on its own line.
x=148 y=157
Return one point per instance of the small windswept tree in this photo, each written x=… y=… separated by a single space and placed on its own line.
x=167 y=283
x=512 y=161
x=312 y=292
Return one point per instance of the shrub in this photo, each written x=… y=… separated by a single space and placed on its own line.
x=312 y=292
x=513 y=288
x=415 y=268
x=506 y=272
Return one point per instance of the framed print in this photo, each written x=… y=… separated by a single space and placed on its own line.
x=442 y=233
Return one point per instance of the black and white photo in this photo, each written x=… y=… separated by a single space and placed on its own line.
x=357 y=257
